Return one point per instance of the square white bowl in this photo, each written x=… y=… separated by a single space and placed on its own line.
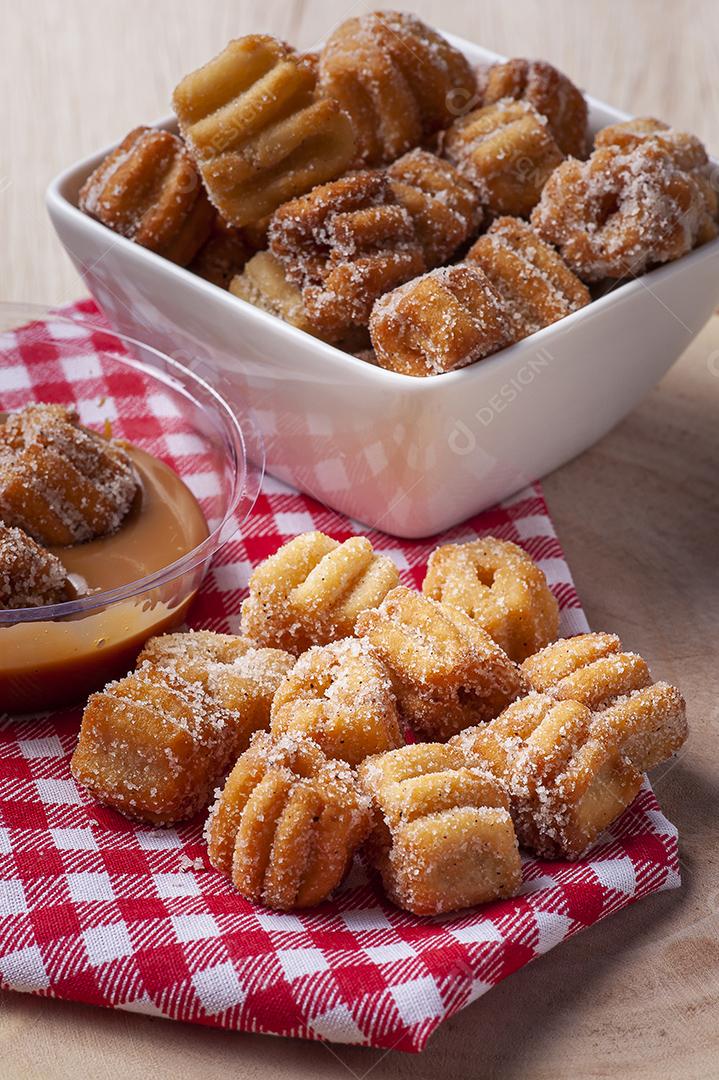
x=410 y=456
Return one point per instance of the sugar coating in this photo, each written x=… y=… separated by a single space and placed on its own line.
x=571 y=769
x=312 y=589
x=443 y=837
x=549 y=91
x=446 y=319
x=447 y=671
x=500 y=587
x=287 y=822
x=30 y=576
x=444 y=206
x=637 y=202
x=507 y=150
x=687 y=150
x=535 y=284
x=344 y=244
x=148 y=190
x=590 y=668
x=155 y=744
x=341 y=696
x=59 y=482
x=396 y=78
x=257 y=130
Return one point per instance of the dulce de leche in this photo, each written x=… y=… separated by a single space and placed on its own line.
x=53 y=662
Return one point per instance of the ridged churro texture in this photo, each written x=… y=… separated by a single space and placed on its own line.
x=287 y=823
x=536 y=285
x=444 y=206
x=398 y=79
x=155 y=744
x=572 y=753
x=500 y=587
x=507 y=150
x=148 y=190
x=30 y=576
x=443 y=320
x=256 y=129
x=443 y=838
x=549 y=91
x=60 y=482
x=344 y=244
x=644 y=197
x=341 y=696
x=448 y=673
x=311 y=591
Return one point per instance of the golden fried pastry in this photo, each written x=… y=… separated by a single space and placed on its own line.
x=30 y=576
x=397 y=79
x=566 y=784
x=443 y=320
x=60 y=482
x=443 y=837
x=536 y=285
x=311 y=591
x=234 y=671
x=446 y=670
x=591 y=668
x=263 y=283
x=594 y=670
x=341 y=696
x=148 y=190
x=155 y=744
x=222 y=257
x=508 y=152
x=287 y=823
x=570 y=771
x=346 y=243
x=652 y=723
x=550 y=92
x=626 y=210
x=498 y=585
x=688 y=151
x=443 y=204
x=257 y=130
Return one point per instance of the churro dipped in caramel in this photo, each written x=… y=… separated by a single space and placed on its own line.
x=30 y=576
x=60 y=482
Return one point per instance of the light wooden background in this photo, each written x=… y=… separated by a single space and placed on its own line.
x=638 y=996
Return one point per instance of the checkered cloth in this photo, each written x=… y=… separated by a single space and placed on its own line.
x=98 y=910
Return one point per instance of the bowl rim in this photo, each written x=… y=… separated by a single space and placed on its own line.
x=620 y=290
x=244 y=444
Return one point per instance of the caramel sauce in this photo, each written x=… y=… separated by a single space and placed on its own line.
x=47 y=664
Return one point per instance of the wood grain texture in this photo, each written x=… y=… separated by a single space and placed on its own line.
x=636 y=997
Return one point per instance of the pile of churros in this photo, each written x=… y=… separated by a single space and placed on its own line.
x=345 y=192
x=434 y=732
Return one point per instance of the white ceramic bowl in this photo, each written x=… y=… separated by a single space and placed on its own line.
x=410 y=456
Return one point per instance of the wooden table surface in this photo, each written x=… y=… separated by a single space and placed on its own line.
x=637 y=996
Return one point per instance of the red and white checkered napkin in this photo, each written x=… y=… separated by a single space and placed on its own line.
x=95 y=909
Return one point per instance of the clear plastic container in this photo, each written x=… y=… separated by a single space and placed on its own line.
x=57 y=654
